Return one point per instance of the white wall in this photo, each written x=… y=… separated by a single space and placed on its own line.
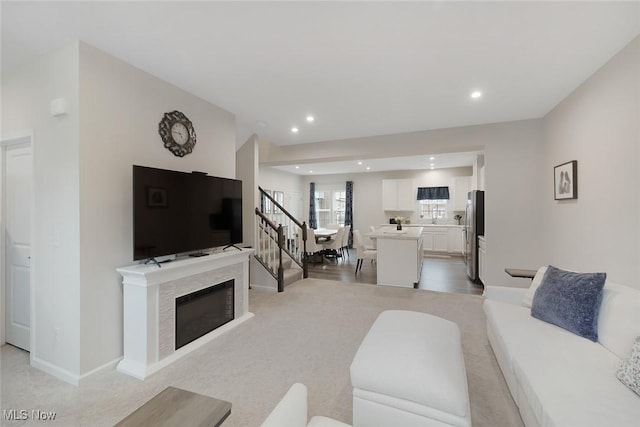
x=121 y=107
x=599 y=126
x=82 y=187
x=55 y=242
x=247 y=172
x=291 y=184
x=512 y=159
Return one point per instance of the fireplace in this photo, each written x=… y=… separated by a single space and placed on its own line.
x=202 y=311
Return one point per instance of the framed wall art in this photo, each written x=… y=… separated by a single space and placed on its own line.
x=565 y=181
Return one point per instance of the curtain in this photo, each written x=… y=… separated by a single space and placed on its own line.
x=433 y=193
x=348 y=210
x=313 y=216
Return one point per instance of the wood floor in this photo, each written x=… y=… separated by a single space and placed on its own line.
x=442 y=274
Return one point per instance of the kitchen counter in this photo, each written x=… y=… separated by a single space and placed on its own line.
x=417 y=224
x=399 y=259
x=391 y=232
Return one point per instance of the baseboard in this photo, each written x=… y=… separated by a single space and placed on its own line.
x=111 y=365
x=263 y=288
x=55 y=371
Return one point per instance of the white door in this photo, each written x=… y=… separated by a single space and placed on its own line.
x=17 y=203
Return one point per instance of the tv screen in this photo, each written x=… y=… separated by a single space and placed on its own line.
x=177 y=212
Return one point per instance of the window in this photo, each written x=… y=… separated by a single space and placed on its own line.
x=330 y=207
x=434 y=208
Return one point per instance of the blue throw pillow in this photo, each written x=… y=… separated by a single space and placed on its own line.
x=570 y=300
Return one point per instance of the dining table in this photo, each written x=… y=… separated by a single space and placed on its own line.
x=324 y=233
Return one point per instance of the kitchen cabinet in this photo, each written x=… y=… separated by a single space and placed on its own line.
x=398 y=195
x=461 y=187
x=399 y=260
x=481 y=258
x=435 y=239
x=444 y=239
x=455 y=235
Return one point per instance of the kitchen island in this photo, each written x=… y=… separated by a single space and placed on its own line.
x=399 y=259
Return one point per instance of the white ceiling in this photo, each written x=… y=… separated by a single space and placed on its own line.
x=361 y=68
x=439 y=161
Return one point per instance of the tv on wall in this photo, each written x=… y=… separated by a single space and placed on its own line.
x=179 y=212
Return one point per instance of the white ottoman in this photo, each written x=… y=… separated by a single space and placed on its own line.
x=409 y=371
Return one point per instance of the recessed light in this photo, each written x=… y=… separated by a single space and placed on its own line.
x=294 y=129
x=432 y=165
x=310 y=119
x=432 y=158
x=368 y=168
x=432 y=168
x=310 y=171
x=297 y=167
x=360 y=163
x=476 y=94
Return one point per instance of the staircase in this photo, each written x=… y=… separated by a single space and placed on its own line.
x=281 y=246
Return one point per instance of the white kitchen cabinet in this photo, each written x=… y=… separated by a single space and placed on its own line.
x=398 y=195
x=435 y=239
x=461 y=187
x=441 y=241
x=481 y=258
x=455 y=240
x=427 y=241
x=445 y=239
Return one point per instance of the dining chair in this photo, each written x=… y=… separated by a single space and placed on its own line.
x=312 y=245
x=361 y=251
x=345 y=240
x=374 y=242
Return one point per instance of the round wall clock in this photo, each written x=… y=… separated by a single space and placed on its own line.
x=177 y=133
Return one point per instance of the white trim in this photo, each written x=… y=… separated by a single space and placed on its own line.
x=56 y=371
x=107 y=366
x=15 y=139
x=269 y=289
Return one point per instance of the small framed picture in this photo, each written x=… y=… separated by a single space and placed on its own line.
x=565 y=181
x=157 y=197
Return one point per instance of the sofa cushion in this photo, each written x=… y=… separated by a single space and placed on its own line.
x=619 y=320
x=568 y=381
x=570 y=300
x=564 y=379
x=527 y=300
x=629 y=371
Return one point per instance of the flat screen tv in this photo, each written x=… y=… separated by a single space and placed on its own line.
x=179 y=212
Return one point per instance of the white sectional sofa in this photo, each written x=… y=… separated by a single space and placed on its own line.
x=291 y=411
x=559 y=379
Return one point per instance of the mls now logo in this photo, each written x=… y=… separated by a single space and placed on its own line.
x=15 y=415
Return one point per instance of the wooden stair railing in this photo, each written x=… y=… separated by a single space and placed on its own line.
x=289 y=236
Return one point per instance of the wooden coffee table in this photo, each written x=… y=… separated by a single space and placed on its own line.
x=177 y=407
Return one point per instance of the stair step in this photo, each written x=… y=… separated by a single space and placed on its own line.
x=287 y=262
x=292 y=275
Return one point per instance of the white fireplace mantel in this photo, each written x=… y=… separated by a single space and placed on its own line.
x=149 y=295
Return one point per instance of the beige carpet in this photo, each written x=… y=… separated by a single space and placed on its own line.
x=307 y=334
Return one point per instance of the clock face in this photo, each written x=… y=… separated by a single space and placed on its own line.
x=179 y=133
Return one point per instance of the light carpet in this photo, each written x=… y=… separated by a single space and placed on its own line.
x=308 y=334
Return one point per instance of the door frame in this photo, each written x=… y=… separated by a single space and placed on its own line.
x=13 y=140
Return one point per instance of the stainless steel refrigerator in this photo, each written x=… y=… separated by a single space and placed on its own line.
x=473 y=227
